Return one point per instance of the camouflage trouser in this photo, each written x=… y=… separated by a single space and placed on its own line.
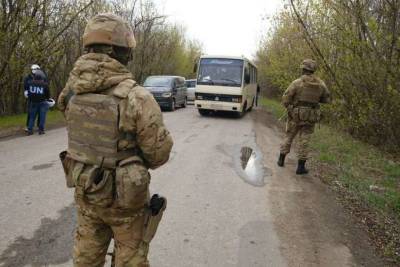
x=95 y=230
x=304 y=133
x=102 y=217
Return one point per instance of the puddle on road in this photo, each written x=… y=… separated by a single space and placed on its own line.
x=250 y=168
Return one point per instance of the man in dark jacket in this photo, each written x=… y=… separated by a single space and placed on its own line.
x=27 y=81
x=38 y=93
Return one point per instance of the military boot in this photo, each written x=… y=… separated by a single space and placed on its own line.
x=301 y=168
x=281 y=160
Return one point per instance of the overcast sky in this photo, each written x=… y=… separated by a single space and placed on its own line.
x=224 y=27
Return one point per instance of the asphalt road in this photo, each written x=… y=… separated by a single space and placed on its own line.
x=228 y=203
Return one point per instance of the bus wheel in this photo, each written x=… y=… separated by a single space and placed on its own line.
x=252 y=105
x=241 y=113
x=203 y=112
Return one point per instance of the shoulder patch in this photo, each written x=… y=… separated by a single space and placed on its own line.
x=124 y=88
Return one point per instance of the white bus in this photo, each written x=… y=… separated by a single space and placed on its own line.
x=226 y=84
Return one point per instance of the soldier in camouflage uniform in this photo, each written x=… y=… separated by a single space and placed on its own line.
x=302 y=99
x=115 y=134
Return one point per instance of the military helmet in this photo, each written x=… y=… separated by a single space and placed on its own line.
x=108 y=29
x=309 y=64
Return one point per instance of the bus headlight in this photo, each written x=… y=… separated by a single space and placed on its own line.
x=166 y=94
x=237 y=99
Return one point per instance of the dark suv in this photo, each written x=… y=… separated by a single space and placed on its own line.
x=169 y=91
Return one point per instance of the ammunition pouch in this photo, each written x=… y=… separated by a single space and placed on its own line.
x=306 y=115
x=154 y=215
x=100 y=187
x=132 y=181
x=67 y=164
x=289 y=110
x=94 y=185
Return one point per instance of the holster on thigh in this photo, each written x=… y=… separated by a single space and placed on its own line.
x=154 y=215
x=67 y=164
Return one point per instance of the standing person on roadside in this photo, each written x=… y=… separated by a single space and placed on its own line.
x=302 y=99
x=27 y=81
x=115 y=134
x=38 y=94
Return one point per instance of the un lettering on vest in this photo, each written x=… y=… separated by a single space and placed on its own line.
x=36 y=90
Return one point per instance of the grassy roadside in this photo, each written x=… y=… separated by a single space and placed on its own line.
x=54 y=117
x=367 y=179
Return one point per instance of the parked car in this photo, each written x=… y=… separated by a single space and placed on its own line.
x=191 y=86
x=169 y=91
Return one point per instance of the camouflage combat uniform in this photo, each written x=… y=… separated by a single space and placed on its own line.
x=115 y=134
x=302 y=99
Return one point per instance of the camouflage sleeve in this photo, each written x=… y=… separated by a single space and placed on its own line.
x=288 y=96
x=326 y=94
x=153 y=138
x=63 y=98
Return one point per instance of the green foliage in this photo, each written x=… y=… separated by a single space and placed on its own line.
x=49 y=33
x=357 y=46
x=367 y=172
x=165 y=50
x=273 y=106
x=53 y=117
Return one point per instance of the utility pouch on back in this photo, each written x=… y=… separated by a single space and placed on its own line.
x=295 y=114
x=315 y=115
x=304 y=114
x=67 y=164
x=155 y=212
x=132 y=184
x=100 y=187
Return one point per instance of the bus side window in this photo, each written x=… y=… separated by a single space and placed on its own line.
x=251 y=74
x=254 y=75
x=246 y=75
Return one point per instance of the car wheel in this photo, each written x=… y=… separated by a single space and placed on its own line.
x=203 y=112
x=184 y=103
x=172 y=106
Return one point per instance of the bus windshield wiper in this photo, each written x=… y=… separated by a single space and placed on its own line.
x=230 y=80
x=208 y=81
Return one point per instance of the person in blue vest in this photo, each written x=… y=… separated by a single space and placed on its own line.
x=27 y=80
x=38 y=95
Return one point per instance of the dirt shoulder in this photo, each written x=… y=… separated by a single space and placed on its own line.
x=314 y=228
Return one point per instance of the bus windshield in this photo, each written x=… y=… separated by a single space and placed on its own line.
x=220 y=71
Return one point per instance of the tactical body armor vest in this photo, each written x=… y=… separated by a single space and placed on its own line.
x=306 y=106
x=310 y=91
x=93 y=131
